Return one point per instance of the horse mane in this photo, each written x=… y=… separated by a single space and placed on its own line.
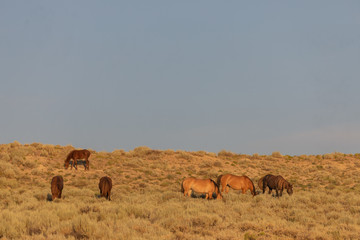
x=253 y=187
x=286 y=184
x=215 y=184
x=69 y=156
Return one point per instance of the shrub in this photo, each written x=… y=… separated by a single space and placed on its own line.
x=184 y=155
x=218 y=164
x=225 y=153
x=199 y=153
x=140 y=151
x=276 y=155
x=4 y=156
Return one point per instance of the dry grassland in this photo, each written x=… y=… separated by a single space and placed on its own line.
x=147 y=202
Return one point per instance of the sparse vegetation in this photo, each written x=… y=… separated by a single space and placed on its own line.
x=147 y=202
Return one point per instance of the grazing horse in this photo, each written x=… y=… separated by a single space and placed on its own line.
x=57 y=184
x=75 y=155
x=105 y=186
x=235 y=182
x=206 y=186
x=277 y=183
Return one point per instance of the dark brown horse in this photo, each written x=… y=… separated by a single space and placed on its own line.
x=57 y=184
x=206 y=186
x=242 y=183
x=75 y=155
x=277 y=183
x=105 y=186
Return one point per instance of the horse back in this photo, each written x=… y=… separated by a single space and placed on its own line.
x=200 y=185
x=57 y=184
x=79 y=154
x=105 y=185
x=231 y=179
x=269 y=181
x=274 y=181
x=281 y=182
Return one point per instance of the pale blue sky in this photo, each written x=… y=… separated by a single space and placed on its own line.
x=245 y=76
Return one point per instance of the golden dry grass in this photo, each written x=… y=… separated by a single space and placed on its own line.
x=147 y=202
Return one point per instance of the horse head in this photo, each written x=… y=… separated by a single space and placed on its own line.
x=289 y=188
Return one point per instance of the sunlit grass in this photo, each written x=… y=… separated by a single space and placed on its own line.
x=147 y=202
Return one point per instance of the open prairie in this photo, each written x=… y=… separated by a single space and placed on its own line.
x=146 y=202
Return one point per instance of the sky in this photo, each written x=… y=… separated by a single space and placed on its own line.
x=243 y=76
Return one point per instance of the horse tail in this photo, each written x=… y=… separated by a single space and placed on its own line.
x=215 y=185
x=253 y=190
x=218 y=180
x=265 y=180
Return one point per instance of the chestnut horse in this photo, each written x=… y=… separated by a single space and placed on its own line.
x=105 y=186
x=242 y=183
x=57 y=184
x=277 y=183
x=206 y=186
x=75 y=155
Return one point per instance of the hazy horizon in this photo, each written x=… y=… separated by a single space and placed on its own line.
x=248 y=77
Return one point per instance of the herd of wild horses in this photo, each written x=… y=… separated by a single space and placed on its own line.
x=189 y=185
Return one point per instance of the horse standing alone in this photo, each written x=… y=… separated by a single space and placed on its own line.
x=75 y=155
x=242 y=183
x=277 y=183
x=57 y=184
x=105 y=186
x=206 y=186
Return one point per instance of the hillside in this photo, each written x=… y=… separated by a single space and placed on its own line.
x=147 y=202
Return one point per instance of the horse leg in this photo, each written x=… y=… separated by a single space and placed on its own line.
x=227 y=189
x=270 y=190
x=243 y=190
x=281 y=191
x=207 y=196
x=86 y=164
x=277 y=193
x=73 y=164
x=210 y=195
x=189 y=192
x=223 y=186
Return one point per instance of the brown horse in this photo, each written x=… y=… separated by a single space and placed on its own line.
x=57 y=184
x=206 y=186
x=75 y=155
x=277 y=183
x=105 y=186
x=236 y=182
